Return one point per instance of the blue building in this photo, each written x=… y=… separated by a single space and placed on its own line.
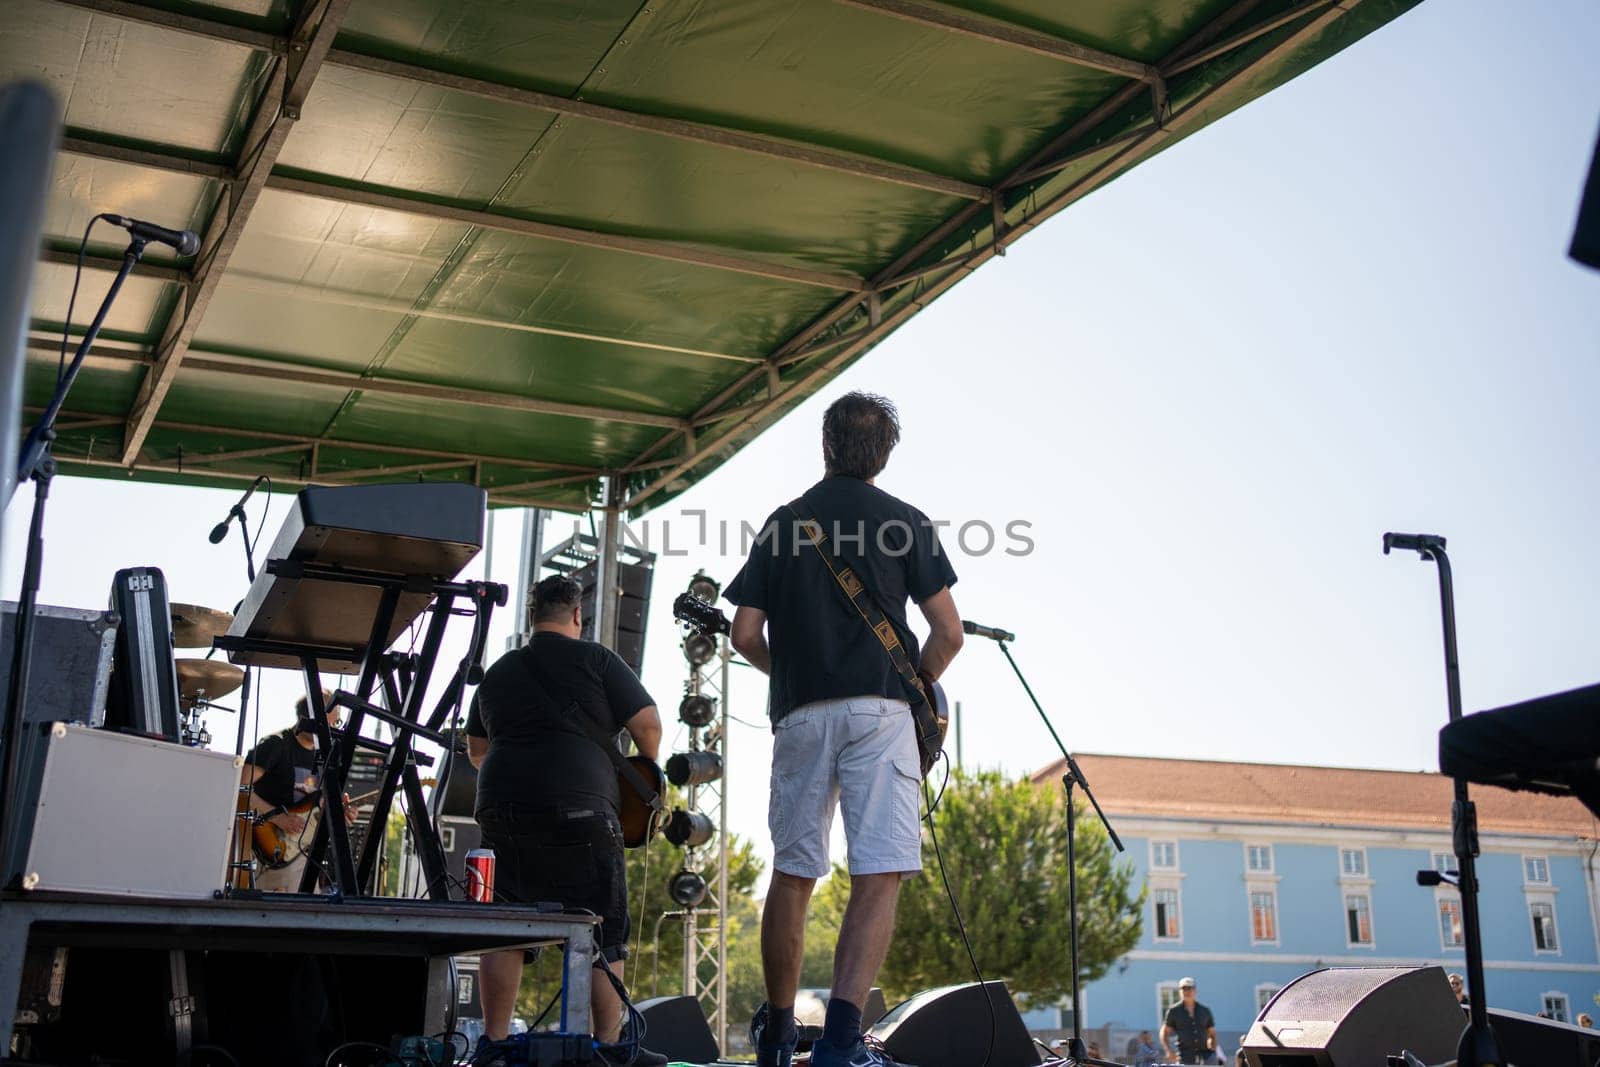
x=1258 y=873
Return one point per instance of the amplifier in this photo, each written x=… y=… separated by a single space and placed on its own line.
x=79 y=838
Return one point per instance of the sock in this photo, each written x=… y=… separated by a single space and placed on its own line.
x=842 y=1026
x=780 y=1023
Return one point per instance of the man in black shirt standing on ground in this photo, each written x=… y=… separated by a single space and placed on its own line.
x=548 y=794
x=1191 y=1023
x=842 y=724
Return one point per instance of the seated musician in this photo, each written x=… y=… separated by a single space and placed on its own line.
x=548 y=795
x=283 y=769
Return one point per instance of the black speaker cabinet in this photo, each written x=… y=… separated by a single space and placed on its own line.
x=1528 y=1039
x=1343 y=1016
x=677 y=1028
x=949 y=1027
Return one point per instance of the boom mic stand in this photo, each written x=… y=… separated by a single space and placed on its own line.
x=1076 y=1052
x=36 y=463
x=1478 y=1046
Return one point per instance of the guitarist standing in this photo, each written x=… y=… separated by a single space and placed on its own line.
x=842 y=724
x=548 y=794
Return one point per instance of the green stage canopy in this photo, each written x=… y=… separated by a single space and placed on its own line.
x=531 y=244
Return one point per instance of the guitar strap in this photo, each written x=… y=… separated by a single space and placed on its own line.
x=861 y=599
x=625 y=770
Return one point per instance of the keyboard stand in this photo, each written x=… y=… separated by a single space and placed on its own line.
x=404 y=679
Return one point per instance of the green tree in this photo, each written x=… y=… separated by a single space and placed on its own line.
x=1005 y=853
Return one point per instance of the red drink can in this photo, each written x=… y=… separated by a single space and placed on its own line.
x=480 y=875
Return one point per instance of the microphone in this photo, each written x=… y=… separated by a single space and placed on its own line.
x=220 y=530
x=184 y=241
x=1411 y=542
x=992 y=632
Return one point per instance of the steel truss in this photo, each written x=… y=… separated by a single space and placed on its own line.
x=705 y=928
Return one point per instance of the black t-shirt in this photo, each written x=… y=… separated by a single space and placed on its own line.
x=1190 y=1029
x=288 y=768
x=821 y=647
x=542 y=745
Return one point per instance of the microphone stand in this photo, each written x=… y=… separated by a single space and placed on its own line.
x=1478 y=1046
x=249 y=672
x=38 y=465
x=1076 y=1052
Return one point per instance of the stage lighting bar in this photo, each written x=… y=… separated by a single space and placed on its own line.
x=693 y=768
x=688 y=829
x=703 y=588
x=697 y=709
x=699 y=649
x=687 y=889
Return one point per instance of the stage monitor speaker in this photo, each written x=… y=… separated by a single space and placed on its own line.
x=949 y=1027
x=677 y=1028
x=29 y=126
x=1341 y=1016
x=1528 y=1039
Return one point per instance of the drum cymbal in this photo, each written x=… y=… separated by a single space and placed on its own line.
x=194 y=626
x=207 y=678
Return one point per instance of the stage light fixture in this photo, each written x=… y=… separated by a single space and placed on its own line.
x=693 y=768
x=687 y=889
x=699 y=649
x=704 y=588
x=688 y=829
x=697 y=709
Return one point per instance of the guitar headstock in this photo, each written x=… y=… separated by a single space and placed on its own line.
x=699 y=616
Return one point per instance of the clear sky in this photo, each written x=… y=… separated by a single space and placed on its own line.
x=1208 y=388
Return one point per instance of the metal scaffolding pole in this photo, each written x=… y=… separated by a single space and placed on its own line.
x=606 y=591
x=720 y=1029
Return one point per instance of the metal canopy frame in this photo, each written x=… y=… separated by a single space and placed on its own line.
x=1237 y=52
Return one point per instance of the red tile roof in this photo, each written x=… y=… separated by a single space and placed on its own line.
x=1332 y=796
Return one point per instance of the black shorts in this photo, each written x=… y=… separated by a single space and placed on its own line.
x=570 y=856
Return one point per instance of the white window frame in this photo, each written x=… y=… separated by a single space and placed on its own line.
x=1440 y=899
x=1177 y=860
x=1531 y=883
x=1270 y=868
x=1344 y=916
x=1566 y=1005
x=1162 y=1004
x=1249 y=896
x=1270 y=989
x=1449 y=859
x=1555 y=925
x=1356 y=850
x=1155 y=922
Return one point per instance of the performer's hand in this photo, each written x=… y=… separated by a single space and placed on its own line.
x=288 y=822
x=349 y=811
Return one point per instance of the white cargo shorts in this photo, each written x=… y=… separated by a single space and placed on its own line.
x=859 y=753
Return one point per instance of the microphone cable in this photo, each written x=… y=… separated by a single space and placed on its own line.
x=932 y=801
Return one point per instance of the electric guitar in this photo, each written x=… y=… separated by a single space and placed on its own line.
x=276 y=847
x=930 y=715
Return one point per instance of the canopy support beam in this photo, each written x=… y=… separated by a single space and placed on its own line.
x=276 y=112
x=1136 y=148
x=802 y=153
x=1007 y=35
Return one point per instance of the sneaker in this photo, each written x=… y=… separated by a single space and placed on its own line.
x=770 y=1053
x=619 y=1055
x=490 y=1053
x=866 y=1052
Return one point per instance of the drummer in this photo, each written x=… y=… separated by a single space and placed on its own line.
x=283 y=769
